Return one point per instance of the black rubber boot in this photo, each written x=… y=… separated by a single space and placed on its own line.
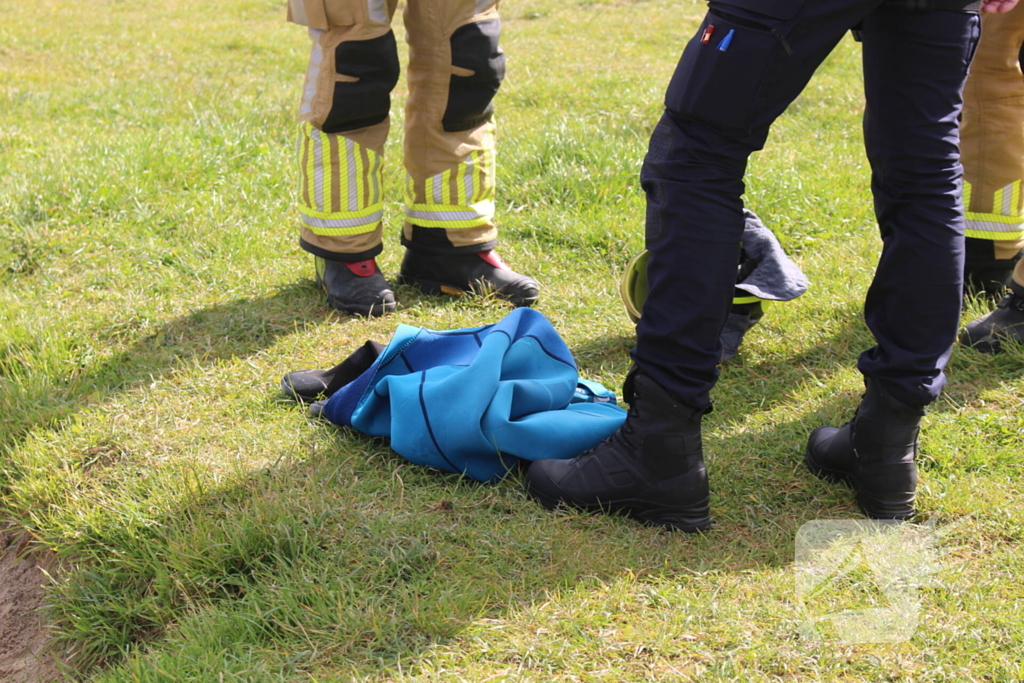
x=651 y=469
x=984 y=274
x=986 y=333
x=482 y=272
x=874 y=453
x=355 y=287
x=306 y=386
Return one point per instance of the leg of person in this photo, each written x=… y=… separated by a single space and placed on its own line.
x=915 y=62
x=992 y=148
x=748 y=60
x=455 y=69
x=343 y=125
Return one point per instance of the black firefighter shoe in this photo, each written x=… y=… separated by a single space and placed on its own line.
x=355 y=287
x=482 y=272
x=874 y=453
x=651 y=469
x=1005 y=323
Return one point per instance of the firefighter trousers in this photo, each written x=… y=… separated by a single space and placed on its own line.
x=731 y=83
x=455 y=68
x=992 y=138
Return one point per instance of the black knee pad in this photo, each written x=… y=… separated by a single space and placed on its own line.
x=474 y=47
x=367 y=101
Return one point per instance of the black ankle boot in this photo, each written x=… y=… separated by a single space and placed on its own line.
x=874 y=453
x=651 y=469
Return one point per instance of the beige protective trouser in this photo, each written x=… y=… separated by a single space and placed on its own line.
x=449 y=135
x=992 y=137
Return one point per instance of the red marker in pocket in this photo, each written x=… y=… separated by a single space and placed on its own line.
x=708 y=32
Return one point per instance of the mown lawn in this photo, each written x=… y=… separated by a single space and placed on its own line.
x=152 y=294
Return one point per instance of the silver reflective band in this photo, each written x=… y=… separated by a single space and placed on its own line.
x=316 y=57
x=327 y=223
x=378 y=11
x=299 y=12
x=443 y=215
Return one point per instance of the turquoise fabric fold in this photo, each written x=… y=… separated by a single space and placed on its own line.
x=476 y=401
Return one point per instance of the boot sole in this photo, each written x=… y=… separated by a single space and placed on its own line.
x=840 y=477
x=374 y=311
x=687 y=520
x=433 y=287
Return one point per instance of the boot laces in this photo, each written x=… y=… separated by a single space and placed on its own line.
x=619 y=437
x=1014 y=301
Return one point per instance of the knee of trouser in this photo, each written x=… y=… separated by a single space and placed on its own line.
x=365 y=100
x=470 y=95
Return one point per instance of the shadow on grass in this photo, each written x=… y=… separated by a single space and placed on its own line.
x=234 y=329
x=358 y=562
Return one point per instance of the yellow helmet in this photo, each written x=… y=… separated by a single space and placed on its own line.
x=633 y=286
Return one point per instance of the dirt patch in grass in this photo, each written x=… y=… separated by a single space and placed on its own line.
x=25 y=655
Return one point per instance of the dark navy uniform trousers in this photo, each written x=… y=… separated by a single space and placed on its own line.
x=731 y=83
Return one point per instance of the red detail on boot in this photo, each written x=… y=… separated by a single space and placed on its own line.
x=362 y=268
x=491 y=257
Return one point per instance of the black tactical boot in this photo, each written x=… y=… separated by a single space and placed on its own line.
x=355 y=287
x=651 y=469
x=482 y=272
x=1004 y=323
x=874 y=453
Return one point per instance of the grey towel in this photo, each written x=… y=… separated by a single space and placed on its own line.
x=773 y=275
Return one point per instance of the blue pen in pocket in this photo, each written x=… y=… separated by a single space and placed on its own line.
x=724 y=43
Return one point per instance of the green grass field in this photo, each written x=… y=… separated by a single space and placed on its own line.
x=152 y=294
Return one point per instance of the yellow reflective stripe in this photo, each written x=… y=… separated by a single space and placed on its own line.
x=485 y=175
x=460 y=185
x=307 y=175
x=446 y=187
x=334 y=232
x=994 y=218
x=745 y=299
x=995 y=236
x=341 y=215
x=342 y=222
x=357 y=179
x=453 y=224
x=1005 y=204
x=329 y=156
x=480 y=208
x=340 y=184
x=450 y=216
x=300 y=152
x=1004 y=222
x=979 y=232
x=459 y=197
